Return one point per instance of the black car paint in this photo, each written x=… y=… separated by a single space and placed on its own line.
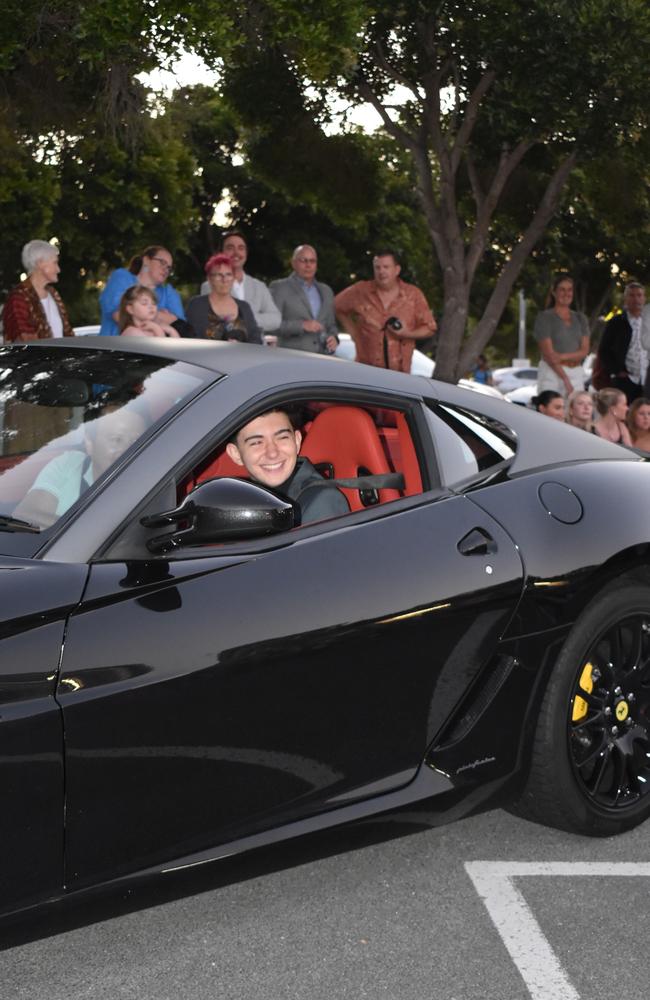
x=333 y=707
x=370 y=659
x=37 y=599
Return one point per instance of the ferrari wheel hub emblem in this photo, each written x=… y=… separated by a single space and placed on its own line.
x=622 y=711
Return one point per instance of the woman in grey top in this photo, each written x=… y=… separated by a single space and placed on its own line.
x=218 y=315
x=563 y=338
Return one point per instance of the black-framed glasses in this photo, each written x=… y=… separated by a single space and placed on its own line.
x=164 y=263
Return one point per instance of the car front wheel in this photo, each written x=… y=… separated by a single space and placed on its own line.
x=590 y=769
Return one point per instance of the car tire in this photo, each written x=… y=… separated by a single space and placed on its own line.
x=590 y=763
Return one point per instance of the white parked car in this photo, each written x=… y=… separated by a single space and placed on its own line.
x=507 y=379
x=523 y=395
x=420 y=365
x=87 y=331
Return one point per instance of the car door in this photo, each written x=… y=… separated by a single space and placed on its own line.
x=36 y=599
x=220 y=693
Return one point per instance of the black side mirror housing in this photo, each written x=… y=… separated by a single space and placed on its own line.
x=220 y=510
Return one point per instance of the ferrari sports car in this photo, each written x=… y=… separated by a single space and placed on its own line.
x=191 y=667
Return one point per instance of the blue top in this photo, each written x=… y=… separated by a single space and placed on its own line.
x=66 y=477
x=117 y=284
x=313 y=296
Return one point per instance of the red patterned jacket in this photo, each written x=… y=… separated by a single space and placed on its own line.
x=23 y=317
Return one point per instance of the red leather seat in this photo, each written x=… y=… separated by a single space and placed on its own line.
x=222 y=465
x=346 y=438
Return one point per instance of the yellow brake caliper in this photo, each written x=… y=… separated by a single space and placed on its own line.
x=586 y=682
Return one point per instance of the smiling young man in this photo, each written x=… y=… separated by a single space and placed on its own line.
x=267 y=447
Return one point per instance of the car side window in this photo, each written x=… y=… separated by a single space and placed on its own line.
x=468 y=444
x=370 y=455
x=340 y=441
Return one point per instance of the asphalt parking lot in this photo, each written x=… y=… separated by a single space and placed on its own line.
x=491 y=907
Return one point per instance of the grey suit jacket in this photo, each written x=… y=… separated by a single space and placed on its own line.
x=292 y=302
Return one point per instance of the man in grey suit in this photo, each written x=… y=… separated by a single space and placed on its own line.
x=307 y=306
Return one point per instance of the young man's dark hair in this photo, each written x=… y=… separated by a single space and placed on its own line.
x=268 y=448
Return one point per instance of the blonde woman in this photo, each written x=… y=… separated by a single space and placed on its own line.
x=612 y=408
x=638 y=422
x=580 y=410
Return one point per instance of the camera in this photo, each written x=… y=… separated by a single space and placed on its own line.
x=322 y=343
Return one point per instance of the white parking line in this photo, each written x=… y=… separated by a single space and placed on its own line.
x=529 y=949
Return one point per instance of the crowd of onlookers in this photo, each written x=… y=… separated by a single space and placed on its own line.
x=618 y=406
x=605 y=413
x=385 y=317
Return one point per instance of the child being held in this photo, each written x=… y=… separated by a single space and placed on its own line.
x=137 y=315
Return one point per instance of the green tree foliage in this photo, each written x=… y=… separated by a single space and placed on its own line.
x=497 y=115
x=486 y=88
x=62 y=62
x=29 y=190
x=116 y=201
x=372 y=203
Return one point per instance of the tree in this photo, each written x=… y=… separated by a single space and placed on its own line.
x=487 y=86
x=343 y=194
x=498 y=104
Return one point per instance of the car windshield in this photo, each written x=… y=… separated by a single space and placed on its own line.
x=66 y=418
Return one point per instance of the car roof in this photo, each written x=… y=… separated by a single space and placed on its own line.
x=546 y=442
x=233 y=359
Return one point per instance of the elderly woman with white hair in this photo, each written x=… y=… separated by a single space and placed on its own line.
x=34 y=310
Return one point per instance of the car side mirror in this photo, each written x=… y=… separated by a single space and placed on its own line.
x=220 y=510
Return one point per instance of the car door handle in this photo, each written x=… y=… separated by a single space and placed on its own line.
x=477 y=542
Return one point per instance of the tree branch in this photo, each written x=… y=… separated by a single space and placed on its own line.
x=401 y=135
x=428 y=198
x=390 y=71
x=508 y=162
x=469 y=118
x=503 y=287
x=474 y=181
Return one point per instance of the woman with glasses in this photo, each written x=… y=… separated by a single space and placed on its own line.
x=219 y=315
x=152 y=268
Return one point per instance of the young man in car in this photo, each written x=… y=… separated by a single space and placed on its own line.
x=267 y=447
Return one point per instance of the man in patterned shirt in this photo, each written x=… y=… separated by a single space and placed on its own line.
x=385 y=316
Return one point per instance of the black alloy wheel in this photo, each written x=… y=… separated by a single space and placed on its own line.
x=609 y=723
x=590 y=767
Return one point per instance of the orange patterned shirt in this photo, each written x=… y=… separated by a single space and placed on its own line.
x=361 y=302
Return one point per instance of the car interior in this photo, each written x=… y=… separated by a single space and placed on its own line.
x=342 y=442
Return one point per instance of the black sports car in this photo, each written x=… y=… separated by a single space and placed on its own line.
x=189 y=670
